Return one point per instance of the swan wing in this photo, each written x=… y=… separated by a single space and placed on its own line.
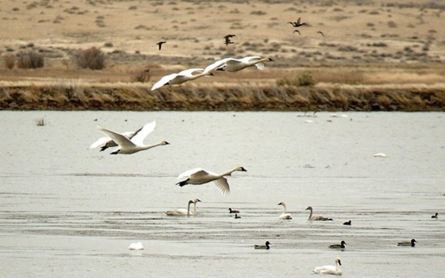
x=250 y=59
x=188 y=173
x=101 y=141
x=178 y=212
x=285 y=216
x=189 y=72
x=223 y=185
x=218 y=64
x=140 y=134
x=163 y=81
x=326 y=269
x=120 y=139
x=259 y=66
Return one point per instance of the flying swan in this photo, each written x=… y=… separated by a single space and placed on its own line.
x=136 y=144
x=184 y=212
x=106 y=142
x=201 y=176
x=232 y=64
x=181 y=77
x=316 y=218
x=284 y=215
x=329 y=269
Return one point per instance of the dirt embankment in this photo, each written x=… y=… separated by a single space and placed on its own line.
x=224 y=98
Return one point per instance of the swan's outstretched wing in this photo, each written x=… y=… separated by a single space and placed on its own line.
x=188 y=173
x=120 y=139
x=250 y=59
x=189 y=72
x=100 y=142
x=217 y=64
x=259 y=66
x=223 y=185
x=140 y=134
x=163 y=81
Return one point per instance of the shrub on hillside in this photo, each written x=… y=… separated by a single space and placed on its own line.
x=30 y=60
x=300 y=80
x=9 y=61
x=91 y=58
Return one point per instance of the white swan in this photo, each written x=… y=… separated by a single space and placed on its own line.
x=136 y=246
x=107 y=142
x=316 y=218
x=263 y=246
x=232 y=64
x=201 y=176
x=284 y=215
x=338 y=246
x=180 y=212
x=181 y=77
x=380 y=155
x=127 y=146
x=329 y=269
x=411 y=243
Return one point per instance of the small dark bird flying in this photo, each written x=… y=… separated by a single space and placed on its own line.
x=297 y=23
x=320 y=32
x=227 y=39
x=297 y=32
x=159 y=44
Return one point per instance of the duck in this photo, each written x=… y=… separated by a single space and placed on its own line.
x=136 y=246
x=233 y=65
x=338 y=246
x=411 y=243
x=297 y=23
x=435 y=215
x=136 y=143
x=237 y=216
x=316 y=218
x=180 y=212
x=159 y=44
x=261 y=246
x=349 y=223
x=181 y=77
x=227 y=39
x=284 y=215
x=199 y=176
x=233 y=210
x=329 y=269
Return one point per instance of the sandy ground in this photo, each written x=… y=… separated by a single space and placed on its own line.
x=359 y=33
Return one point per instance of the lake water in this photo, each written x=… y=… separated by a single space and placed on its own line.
x=66 y=210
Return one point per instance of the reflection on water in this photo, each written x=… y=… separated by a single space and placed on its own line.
x=61 y=202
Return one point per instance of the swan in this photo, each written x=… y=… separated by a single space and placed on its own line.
x=347 y=223
x=181 y=77
x=284 y=215
x=127 y=146
x=233 y=210
x=379 y=155
x=337 y=246
x=232 y=64
x=201 y=176
x=411 y=243
x=136 y=246
x=237 y=217
x=180 y=212
x=435 y=215
x=106 y=142
x=265 y=246
x=329 y=269
x=316 y=218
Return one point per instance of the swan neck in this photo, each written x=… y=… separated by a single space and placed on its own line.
x=284 y=208
x=310 y=213
x=188 y=209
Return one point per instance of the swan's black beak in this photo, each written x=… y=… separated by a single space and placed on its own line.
x=270 y=60
x=211 y=74
x=339 y=262
x=244 y=170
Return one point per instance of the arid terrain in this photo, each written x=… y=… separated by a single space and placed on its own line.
x=349 y=55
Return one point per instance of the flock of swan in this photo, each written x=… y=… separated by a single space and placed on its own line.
x=226 y=64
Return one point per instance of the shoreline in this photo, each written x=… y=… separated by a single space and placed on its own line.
x=211 y=97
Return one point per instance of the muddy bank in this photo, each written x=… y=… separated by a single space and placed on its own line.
x=225 y=98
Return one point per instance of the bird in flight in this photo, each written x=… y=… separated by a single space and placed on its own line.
x=297 y=32
x=159 y=44
x=227 y=39
x=297 y=23
x=321 y=33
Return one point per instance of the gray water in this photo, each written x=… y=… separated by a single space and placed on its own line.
x=69 y=211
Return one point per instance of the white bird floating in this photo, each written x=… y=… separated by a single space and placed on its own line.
x=316 y=218
x=136 y=144
x=136 y=246
x=380 y=155
x=284 y=215
x=200 y=176
x=329 y=269
x=181 y=77
x=184 y=212
x=232 y=64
